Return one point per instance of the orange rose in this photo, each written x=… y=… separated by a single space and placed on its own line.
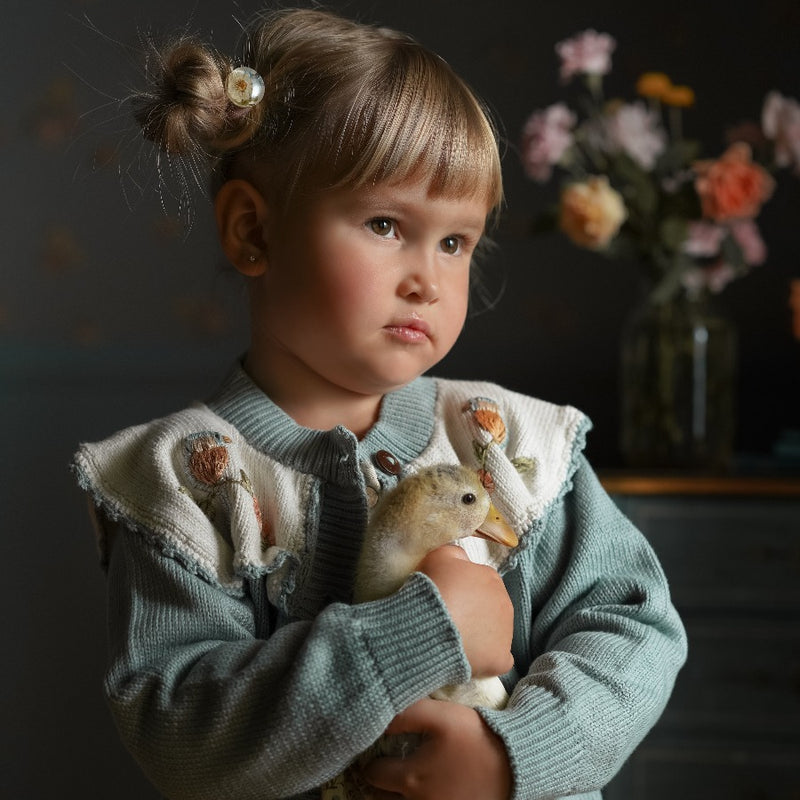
x=591 y=213
x=733 y=187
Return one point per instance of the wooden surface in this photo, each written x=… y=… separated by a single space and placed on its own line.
x=642 y=483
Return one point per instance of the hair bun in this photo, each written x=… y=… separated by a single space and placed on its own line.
x=185 y=108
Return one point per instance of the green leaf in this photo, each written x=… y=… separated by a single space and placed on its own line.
x=672 y=232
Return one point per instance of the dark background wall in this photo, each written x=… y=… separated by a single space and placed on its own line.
x=110 y=313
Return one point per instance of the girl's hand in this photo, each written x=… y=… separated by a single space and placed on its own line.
x=479 y=605
x=459 y=757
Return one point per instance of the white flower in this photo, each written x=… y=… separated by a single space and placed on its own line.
x=636 y=130
x=780 y=119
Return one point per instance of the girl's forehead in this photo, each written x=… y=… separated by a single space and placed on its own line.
x=416 y=195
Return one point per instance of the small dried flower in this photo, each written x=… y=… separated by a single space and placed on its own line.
x=588 y=53
x=591 y=213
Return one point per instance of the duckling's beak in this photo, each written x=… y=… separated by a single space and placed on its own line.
x=496 y=529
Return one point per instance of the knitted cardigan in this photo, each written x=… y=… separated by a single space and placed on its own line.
x=239 y=667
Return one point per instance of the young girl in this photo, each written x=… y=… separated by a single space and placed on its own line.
x=352 y=188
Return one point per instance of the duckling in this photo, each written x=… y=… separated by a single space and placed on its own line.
x=433 y=507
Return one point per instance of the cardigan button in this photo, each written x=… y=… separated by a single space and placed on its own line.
x=386 y=462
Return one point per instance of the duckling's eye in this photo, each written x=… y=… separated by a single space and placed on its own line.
x=468 y=499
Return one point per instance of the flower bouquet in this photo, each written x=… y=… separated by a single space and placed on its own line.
x=634 y=187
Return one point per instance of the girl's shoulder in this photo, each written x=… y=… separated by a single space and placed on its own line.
x=513 y=421
x=184 y=482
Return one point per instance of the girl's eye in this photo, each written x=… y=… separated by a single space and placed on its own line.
x=451 y=245
x=382 y=226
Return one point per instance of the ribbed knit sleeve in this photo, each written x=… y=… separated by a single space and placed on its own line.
x=599 y=653
x=211 y=710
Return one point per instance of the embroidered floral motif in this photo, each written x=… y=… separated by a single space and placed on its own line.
x=487 y=415
x=486 y=479
x=208 y=456
x=267 y=535
x=523 y=465
x=487 y=418
x=208 y=459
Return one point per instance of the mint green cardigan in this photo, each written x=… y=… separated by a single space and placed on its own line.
x=239 y=667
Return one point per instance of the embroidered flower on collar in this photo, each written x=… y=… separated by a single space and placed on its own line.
x=486 y=415
x=208 y=456
x=489 y=430
x=208 y=463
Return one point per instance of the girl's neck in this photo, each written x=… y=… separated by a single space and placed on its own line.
x=313 y=403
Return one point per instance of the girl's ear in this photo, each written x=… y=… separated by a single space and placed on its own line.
x=241 y=213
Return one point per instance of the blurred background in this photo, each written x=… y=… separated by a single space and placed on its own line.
x=113 y=310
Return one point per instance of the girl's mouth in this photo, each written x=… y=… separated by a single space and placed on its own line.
x=410 y=329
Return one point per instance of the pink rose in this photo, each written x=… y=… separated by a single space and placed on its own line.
x=591 y=213
x=732 y=187
x=545 y=138
x=746 y=234
x=587 y=53
x=703 y=239
x=780 y=119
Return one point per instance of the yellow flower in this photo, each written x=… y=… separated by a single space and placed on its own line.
x=679 y=96
x=591 y=213
x=653 y=84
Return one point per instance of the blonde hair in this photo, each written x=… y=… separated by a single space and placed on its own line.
x=346 y=105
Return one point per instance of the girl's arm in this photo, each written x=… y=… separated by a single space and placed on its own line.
x=209 y=710
x=599 y=645
x=598 y=642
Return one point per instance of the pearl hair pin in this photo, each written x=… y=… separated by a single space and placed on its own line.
x=244 y=87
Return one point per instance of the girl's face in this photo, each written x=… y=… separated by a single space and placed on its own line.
x=364 y=290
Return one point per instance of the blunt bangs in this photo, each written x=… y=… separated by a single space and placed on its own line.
x=412 y=119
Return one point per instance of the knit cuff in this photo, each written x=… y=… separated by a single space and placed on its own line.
x=412 y=641
x=541 y=746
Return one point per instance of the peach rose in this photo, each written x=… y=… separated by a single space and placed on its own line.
x=591 y=213
x=732 y=187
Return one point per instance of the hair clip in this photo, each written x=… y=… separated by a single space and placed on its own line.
x=244 y=87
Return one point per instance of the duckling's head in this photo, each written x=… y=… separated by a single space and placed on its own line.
x=437 y=505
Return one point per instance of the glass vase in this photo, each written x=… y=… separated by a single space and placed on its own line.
x=678 y=379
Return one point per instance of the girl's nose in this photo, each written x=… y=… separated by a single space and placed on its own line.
x=420 y=281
